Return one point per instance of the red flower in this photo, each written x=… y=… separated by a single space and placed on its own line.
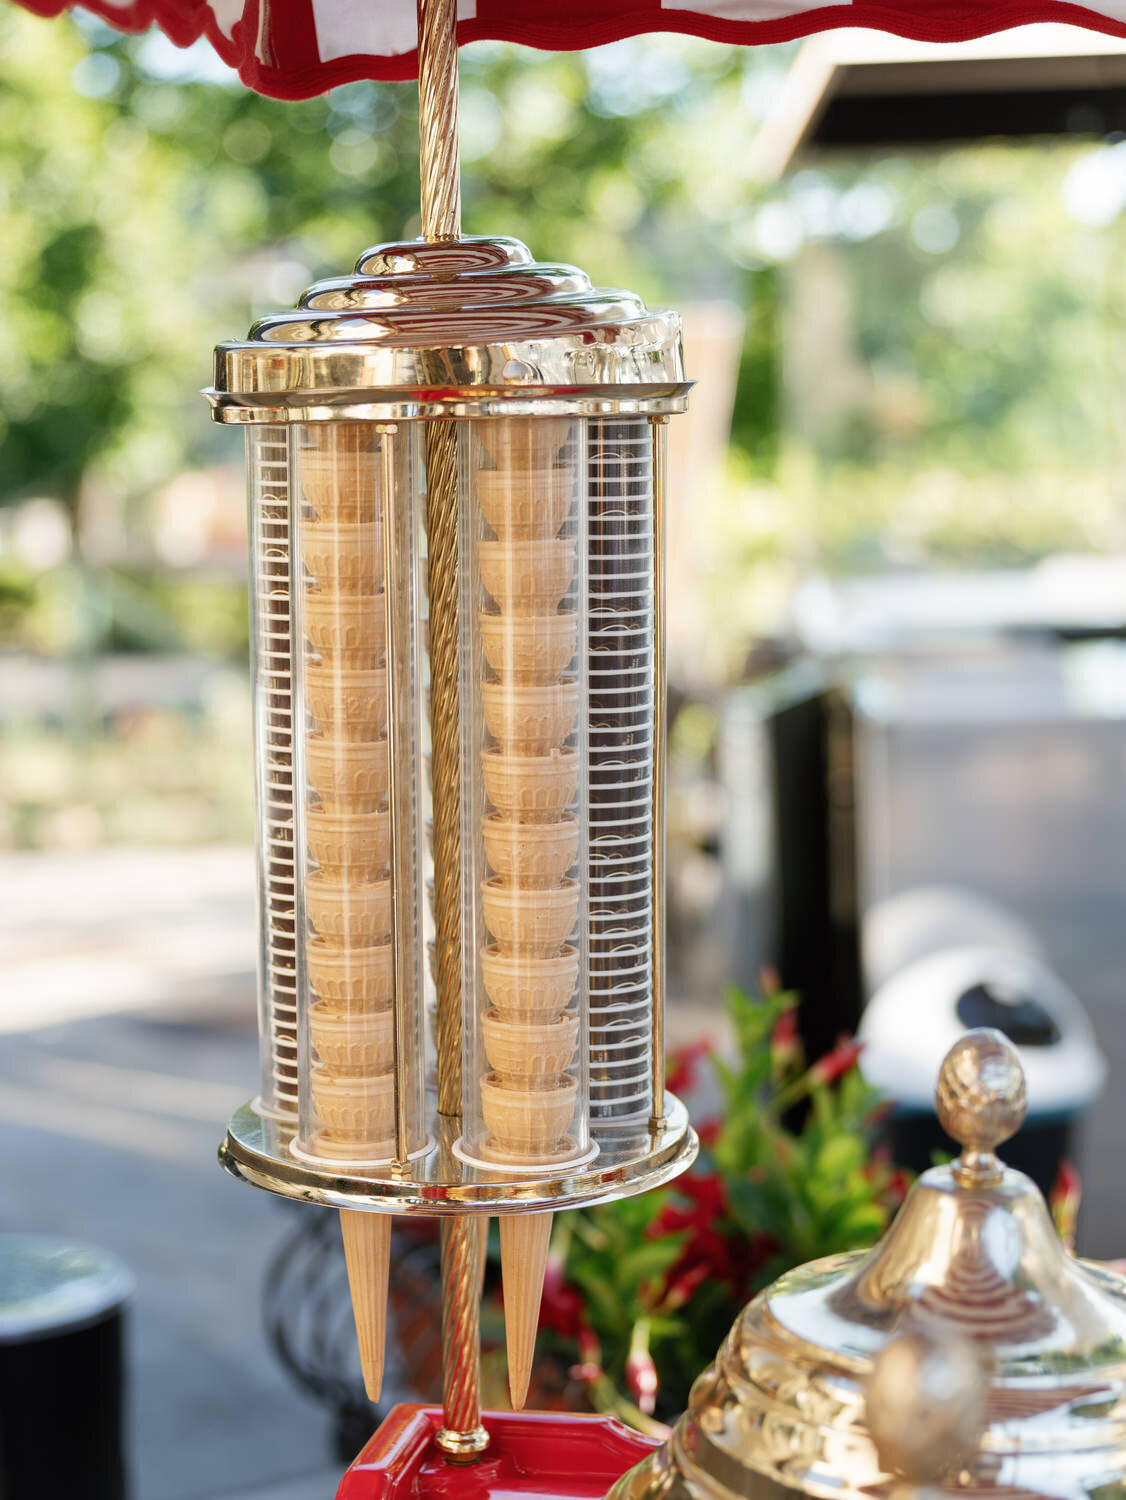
x=708 y=1131
x=714 y=1249
x=1066 y=1196
x=899 y=1185
x=834 y=1065
x=589 y=1368
x=683 y=1063
x=679 y=1288
x=641 y=1372
x=707 y=1199
x=785 y=1044
x=561 y=1307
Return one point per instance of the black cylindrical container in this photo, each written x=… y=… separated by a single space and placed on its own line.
x=62 y=1363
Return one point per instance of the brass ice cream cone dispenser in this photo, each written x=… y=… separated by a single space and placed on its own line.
x=456 y=485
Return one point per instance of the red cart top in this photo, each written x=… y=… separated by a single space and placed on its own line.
x=291 y=49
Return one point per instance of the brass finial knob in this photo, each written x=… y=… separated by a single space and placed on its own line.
x=981 y=1100
x=925 y=1406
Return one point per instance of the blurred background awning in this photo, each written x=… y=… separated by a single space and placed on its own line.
x=852 y=89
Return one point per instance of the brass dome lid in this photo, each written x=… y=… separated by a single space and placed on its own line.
x=966 y=1354
x=468 y=327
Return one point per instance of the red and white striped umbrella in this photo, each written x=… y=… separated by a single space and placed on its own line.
x=291 y=49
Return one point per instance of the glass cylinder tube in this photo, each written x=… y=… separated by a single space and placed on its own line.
x=267 y=450
x=524 y=712
x=622 y=671
x=355 y=654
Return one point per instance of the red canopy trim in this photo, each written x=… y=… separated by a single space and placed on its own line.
x=292 y=49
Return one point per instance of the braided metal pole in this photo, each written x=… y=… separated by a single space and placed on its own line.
x=437 y=119
x=462 y=1436
x=441 y=220
x=445 y=750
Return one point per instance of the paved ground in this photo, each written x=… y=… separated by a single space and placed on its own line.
x=128 y=1012
x=137 y=969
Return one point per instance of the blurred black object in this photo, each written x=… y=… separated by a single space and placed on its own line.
x=816 y=918
x=62 y=1365
x=308 y=1314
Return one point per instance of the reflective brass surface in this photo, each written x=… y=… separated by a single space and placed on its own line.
x=471 y=327
x=629 y=1160
x=972 y=1258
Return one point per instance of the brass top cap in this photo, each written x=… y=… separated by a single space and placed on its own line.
x=468 y=327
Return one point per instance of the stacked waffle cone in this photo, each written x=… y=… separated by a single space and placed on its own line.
x=529 y=900
x=348 y=951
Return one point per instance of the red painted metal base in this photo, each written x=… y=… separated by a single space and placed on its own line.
x=549 y=1455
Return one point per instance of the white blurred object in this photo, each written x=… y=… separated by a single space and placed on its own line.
x=928 y=919
x=39 y=533
x=912 y=1021
x=894 y=611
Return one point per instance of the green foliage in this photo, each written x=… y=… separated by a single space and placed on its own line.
x=933 y=341
x=810 y=1192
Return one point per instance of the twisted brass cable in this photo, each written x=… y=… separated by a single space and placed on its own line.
x=445 y=750
x=462 y=1436
x=437 y=119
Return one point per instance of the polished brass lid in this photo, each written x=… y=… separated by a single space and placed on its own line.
x=967 y=1353
x=469 y=327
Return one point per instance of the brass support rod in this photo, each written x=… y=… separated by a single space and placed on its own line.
x=660 y=751
x=462 y=1436
x=439 y=155
x=445 y=750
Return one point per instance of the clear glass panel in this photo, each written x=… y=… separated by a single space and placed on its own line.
x=267 y=451
x=523 y=704
x=620 y=769
x=357 y=795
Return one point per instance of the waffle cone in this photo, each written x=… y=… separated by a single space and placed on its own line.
x=524 y=1243
x=530 y=720
x=532 y=922
x=359 y=976
x=522 y=987
x=359 y=843
x=529 y=648
x=341 y=486
x=344 y=557
x=350 y=1043
x=522 y=504
x=530 y=854
x=342 y=437
x=349 y=629
x=528 y=1121
x=348 y=703
x=529 y=1055
x=354 y=910
x=354 y=1111
x=527 y=578
x=367 y=1251
x=530 y=786
x=348 y=775
x=523 y=442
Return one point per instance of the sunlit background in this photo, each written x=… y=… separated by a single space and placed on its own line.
x=903 y=482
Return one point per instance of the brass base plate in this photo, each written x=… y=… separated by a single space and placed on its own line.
x=630 y=1160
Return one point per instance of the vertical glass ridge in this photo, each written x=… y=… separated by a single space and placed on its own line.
x=622 y=667
x=271 y=664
